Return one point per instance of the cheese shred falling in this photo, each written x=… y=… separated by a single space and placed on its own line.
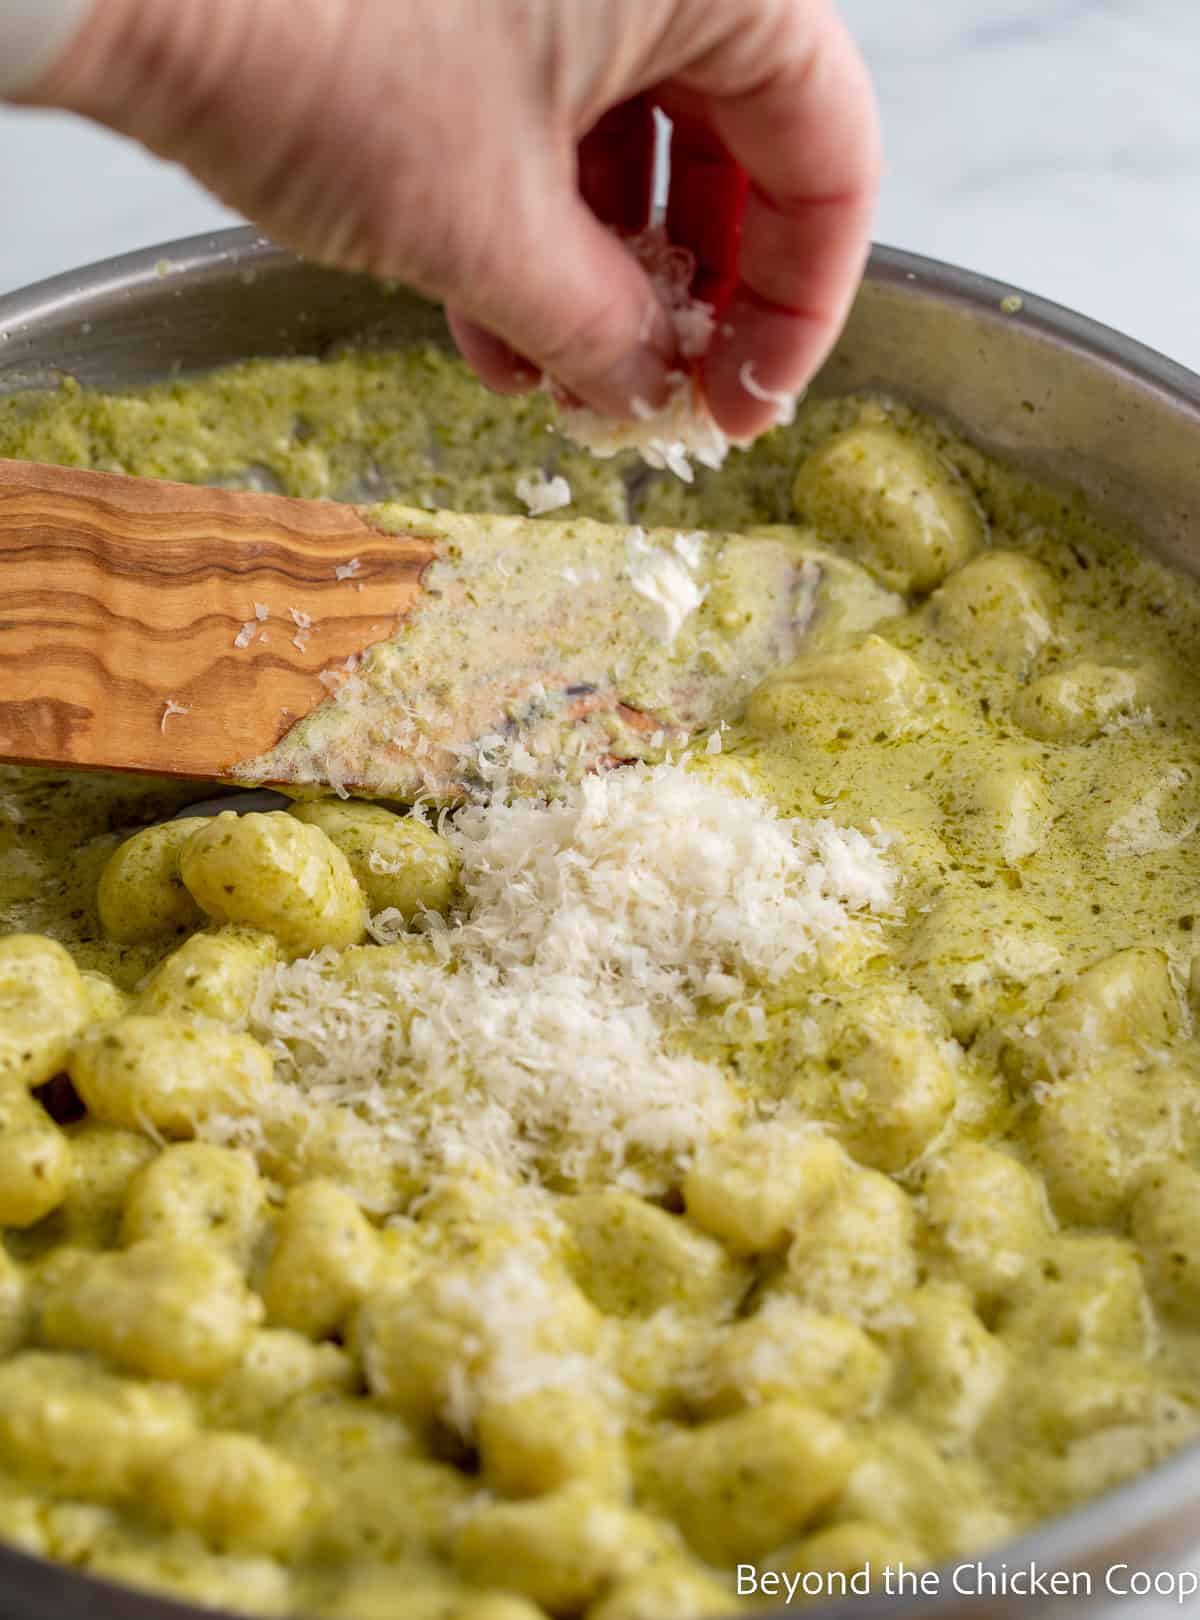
x=541 y=1029
x=170 y=709
x=541 y=494
x=665 y=579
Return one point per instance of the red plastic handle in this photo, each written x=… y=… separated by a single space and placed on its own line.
x=616 y=166
x=706 y=204
x=706 y=201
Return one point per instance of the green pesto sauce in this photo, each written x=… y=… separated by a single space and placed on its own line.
x=1032 y=847
x=561 y=655
x=415 y=428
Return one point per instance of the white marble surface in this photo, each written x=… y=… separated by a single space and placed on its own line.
x=1052 y=143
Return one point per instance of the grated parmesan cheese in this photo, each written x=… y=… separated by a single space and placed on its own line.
x=170 y=707
x=246 y=634
x=691 y=547
x=665 y=579
x=541 y=494
x=537 y=1031
x=682 y=428
x=666 y=583
x=347 y=570
x=1140 y=830
x=785 y=403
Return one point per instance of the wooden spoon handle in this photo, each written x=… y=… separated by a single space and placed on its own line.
x=176 y=628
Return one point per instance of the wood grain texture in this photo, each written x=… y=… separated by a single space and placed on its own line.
x=121 y=598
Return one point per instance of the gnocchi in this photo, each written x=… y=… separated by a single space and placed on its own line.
x=43 y=1006
x=275 y=874
x=902 y=504
x=142 y=895
x=321 y=1296
x=401 y=864
x=166 y=1072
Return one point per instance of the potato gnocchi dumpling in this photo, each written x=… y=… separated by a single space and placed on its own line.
x=855 y=1257
x=907 y=514
x=401 y=864
x=211 y=975
x=560 y=1550
x=74 y=1427
x=1001 y=812
x=276 y=874
x=534 y=1442
x=1165 y=1218
x=1097 y=1132
x=897 y=1081
x=747 y=1482
x=142 y=895
x=167 y=1073
x=325 y=1258
x=753 y=1188
x=169 y=1308
x=987 y=1217
x=35 y=1160
x=870 y=686
x=536 y=1209
x=43 y=1006
x=997 y=607
x=952 y=1370
x=1084 y=699
x=233 y=1490
x=634 y=1259
x=786 y=1351
x=197 y=1189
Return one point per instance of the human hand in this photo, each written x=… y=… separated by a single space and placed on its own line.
x=437 y=142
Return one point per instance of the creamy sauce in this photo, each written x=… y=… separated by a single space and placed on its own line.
x=1003 y=689
x=576 y=642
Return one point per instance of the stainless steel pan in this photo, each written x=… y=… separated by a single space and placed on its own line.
x=1068 y=399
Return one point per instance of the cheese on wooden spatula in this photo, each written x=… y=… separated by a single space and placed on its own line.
x=381 y=650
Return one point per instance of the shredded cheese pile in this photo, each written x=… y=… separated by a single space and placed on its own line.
x=540 y=1030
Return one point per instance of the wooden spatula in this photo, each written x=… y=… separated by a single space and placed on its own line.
x=196 y=632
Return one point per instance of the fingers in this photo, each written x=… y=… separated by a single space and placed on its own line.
x=568 y=295
x=493 y=362
x=562 y=290
x=616 y=181
x=540 y=277
x=807 y=135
